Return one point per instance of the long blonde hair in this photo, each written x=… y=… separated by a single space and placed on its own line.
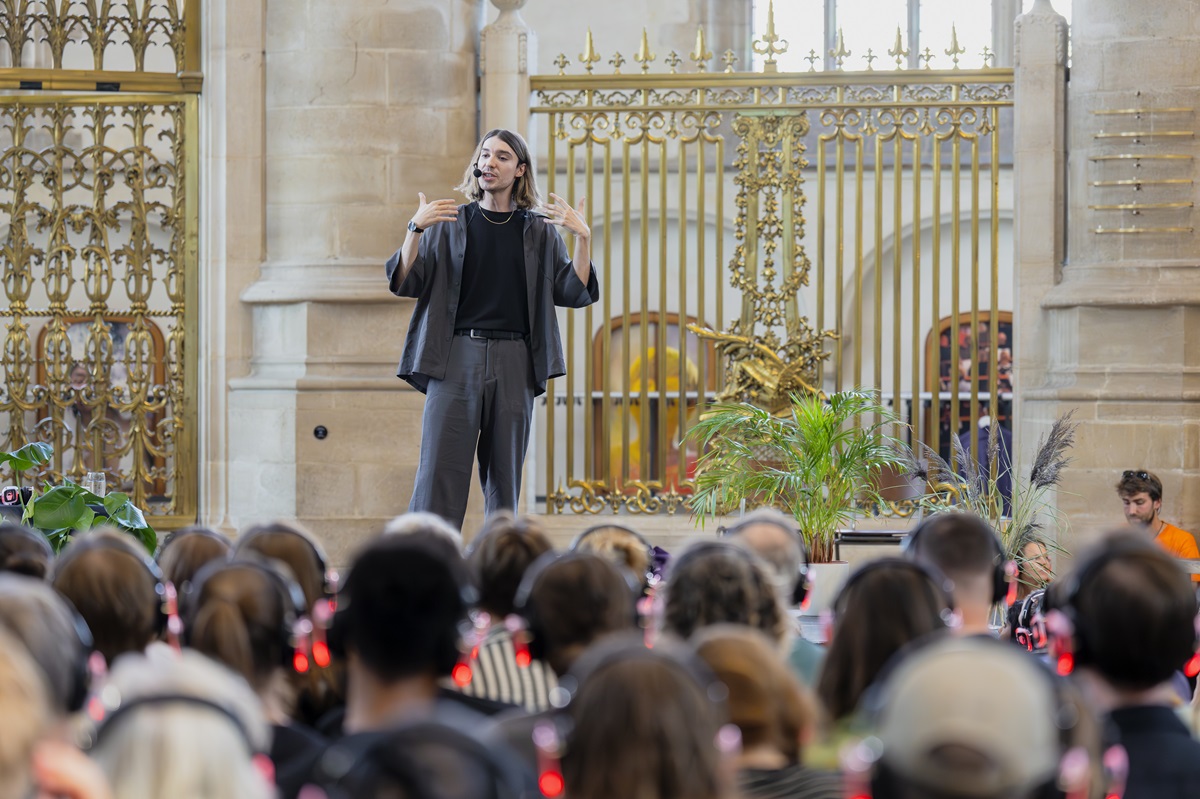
x=524 y=191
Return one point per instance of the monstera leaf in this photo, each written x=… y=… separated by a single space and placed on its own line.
x=28 y=456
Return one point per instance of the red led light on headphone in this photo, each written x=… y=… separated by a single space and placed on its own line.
x=551 y=784
x=320 y=651
x=1065 y=664
x=461 y=674
x=1192 y=669
x=300 y=662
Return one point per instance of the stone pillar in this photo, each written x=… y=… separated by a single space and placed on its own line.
x=367 y=103
x=1120 y=329
x=507 y=50
x=1039 y=185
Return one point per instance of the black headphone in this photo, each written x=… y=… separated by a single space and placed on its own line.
x=124 y=709
x=81 y=664
x=424 y=758
x=884 y=783
x=15 y=530
x=803 y=584
x=941 y=589
x=167 y=621
x=1068 y=645
x=329 y=586
x=1003 y=571
x=533 y=635
x=1029 y=622
x=294 y=634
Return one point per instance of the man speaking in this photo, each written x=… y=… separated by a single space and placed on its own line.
x=484 y=336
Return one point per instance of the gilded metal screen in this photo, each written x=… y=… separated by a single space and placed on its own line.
x=829 y=230
x=98 y=244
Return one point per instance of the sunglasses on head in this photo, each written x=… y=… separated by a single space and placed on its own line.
x=1138 y=474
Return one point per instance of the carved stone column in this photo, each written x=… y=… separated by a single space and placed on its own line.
x=507 y=50
x=367 y=103
x=1117 y=335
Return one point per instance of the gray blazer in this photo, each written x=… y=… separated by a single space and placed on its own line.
x=435 y=279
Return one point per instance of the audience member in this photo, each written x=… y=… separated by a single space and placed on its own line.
x=622 y=545
x=882 y=607
x=968 y=552
x=498 y=559
x=183 y=553
x=774 y=537
x=424 y=523
x=973 y=718
x=714 y=582
x=24 y=551
x=775 y=713
x=1141 y=495
x=644 y=723
x=251 y=616
x=1125 y=617
x=1034 y=570
x=27 y=717
x=117 y=589
x=54 y=635
x=181 y=726
x=319 y=691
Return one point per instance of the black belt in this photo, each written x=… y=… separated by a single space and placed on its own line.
x=474 y=332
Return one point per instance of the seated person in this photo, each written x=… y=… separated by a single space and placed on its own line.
x=1141 y=495
x=183 y=552
x=24 y=551
x=968 y=552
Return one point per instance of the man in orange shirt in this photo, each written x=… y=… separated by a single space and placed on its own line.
x=1141 y=493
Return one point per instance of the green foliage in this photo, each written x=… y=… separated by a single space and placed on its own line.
x=816 y=464
x=61 y=510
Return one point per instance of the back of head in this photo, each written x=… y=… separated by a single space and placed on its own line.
x=773 y=537
x=24 y=551
x=201 y=722
x=714 y=582
x=424 y=760
x=114 y=586
x=52 y=632
x=1133 y=611
x=295 y=547
x=184 y=552
x=400 y=609
x=963 y=547
x=26 y=713
x=971 y=718
x=882 y=607
x=424 y=523
x=622 y=546
x=766 y=701
x=645 y=724
x=499 y=556
x=241 y=614
x=574 y=600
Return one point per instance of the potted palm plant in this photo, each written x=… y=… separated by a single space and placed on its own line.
x=818 y=461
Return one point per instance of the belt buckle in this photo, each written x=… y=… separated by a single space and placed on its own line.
x=471 y=334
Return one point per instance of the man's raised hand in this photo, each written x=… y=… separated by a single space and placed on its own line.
x=430 y=213
x=560 y=213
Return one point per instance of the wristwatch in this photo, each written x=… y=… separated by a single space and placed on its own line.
x=413 y=227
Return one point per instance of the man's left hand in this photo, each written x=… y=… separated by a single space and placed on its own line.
x=560 y=213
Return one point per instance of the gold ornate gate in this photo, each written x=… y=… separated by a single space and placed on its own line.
x=98 y=242
x=698 y=185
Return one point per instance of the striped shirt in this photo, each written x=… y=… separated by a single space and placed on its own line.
x=790 y=782
x=495 y=674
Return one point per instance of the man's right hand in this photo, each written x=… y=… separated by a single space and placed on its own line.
x=430 y=213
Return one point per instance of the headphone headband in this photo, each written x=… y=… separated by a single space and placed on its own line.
x=126 y=708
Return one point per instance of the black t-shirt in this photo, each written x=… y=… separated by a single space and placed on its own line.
x=493 y=293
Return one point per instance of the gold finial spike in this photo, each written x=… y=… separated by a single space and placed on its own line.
x=898 y=51
x=561 y=62
x=589 y=55
x=869 y=57
x=812 y=58
x=644 y=56
x=955 y=50
x=926 y=56
x=729 y=58
x=841 y=53
x=988 y=55
x=770 y=44
x=673 y=61
x=616 y=61
x=701 y=53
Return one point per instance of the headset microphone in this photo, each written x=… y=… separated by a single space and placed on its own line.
x=477 y=172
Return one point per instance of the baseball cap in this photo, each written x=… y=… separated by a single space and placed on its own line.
x=968 y=717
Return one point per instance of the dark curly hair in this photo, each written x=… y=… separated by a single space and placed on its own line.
x=714 y=582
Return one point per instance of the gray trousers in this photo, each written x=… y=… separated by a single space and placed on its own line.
x=483 y=406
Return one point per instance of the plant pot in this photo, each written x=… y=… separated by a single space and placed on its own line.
x=827 y=580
